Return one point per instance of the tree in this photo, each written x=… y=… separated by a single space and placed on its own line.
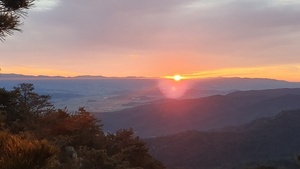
x=7 y=106
x=78 y=129
x=10 y=13
x=22 y=106
x=124 y=146
x=30 y=103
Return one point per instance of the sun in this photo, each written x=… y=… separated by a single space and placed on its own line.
x=177 y=78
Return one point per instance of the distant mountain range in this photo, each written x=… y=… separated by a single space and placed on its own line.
x=165 y=117
x=273 y=141
x=13 y=76
x=237 y=83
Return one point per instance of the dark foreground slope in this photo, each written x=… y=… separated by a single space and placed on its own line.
x=269 y=141
x=172 y=116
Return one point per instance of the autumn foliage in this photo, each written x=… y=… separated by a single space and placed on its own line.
x=33 y=134
x=20 y=152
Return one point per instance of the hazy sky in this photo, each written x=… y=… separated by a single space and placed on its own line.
x=196 y=38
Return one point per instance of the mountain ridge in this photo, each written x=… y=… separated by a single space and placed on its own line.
x=172 y=116
x=267 y=141
x=13 y=75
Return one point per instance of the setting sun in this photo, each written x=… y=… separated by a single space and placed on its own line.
x=177 y=78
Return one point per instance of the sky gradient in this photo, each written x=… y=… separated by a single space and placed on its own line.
x=157 y=38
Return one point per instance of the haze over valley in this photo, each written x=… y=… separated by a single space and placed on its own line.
x=105 y=94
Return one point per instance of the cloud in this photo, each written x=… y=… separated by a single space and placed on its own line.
x=152 y=24
x=45 y=5
x=209 y=34
x=283 y=72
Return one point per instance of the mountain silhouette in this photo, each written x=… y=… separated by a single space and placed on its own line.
x=165 y=117
x=267 y=141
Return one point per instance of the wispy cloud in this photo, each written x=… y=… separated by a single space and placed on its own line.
x=283 y=72
x=201 y=35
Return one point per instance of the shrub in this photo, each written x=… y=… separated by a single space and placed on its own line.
x=20 y=152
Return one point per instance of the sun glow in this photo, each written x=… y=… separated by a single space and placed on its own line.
x=174 y=87
x=177 y=78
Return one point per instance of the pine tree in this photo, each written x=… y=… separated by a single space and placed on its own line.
x=10 y=13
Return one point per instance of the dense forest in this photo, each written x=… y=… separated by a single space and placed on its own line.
x=34 y=134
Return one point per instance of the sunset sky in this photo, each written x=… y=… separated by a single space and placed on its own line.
x=157 y=38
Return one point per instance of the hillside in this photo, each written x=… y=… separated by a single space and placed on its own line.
x=166 y=117
x=270 y=141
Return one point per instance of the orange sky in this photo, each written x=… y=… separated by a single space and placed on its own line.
x=284 y=72
x=158 y=39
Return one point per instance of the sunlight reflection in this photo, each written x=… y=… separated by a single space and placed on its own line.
x=173 y=89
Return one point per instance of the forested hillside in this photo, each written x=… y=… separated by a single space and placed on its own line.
x=34 y=134
x=271 y=141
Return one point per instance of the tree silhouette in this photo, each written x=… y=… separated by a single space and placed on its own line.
x=10 y=13
x=23 y=106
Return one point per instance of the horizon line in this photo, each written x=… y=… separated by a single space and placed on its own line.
x=125 y=77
